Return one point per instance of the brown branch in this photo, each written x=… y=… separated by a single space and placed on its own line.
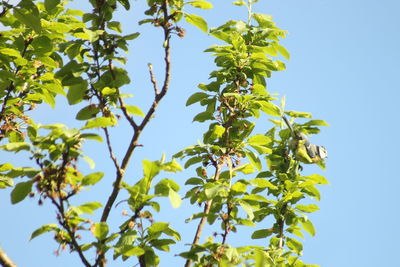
x=125 y=112
x=227 y=227
x=5 y=261
x=138 y=131
x=281 y=225
x=207 y=208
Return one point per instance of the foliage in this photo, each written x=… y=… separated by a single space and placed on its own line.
x=242 y=177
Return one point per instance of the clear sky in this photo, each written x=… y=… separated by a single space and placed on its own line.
x=344 y=68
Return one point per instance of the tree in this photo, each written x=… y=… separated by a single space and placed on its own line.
x=242 y=176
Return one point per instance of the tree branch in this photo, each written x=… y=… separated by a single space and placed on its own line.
x=153 y=79
x=138 y=131
x=207 y=208
x=5 y=261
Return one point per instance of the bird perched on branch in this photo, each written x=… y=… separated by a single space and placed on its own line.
x=303 y=150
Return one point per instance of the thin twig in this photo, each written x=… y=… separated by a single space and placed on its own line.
x=5 y=261
x=110 y=150
x=125 y=112
x=153 y=79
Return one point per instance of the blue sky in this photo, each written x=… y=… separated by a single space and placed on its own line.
x=343 y=69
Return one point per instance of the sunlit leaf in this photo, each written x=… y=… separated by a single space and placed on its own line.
x=44 y=229
x=93 y=178
x=200 y=4
x=197 y=21
x=100 y=230
x=175 y=199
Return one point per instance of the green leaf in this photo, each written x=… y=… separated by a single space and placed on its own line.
x=16 y=146
x=50 y=4
x=6 y=182
x=254 y=159
x=203 y=116
x=196 y=97
x=44 y=229
x=100 y=230
x=263 y=19
x=89 y=161
x=239 y=186
x=194 y=181
x=298 y=114
x=10 y=52
x=248 y=209
x=192 y=161
x=197 y=21
x=135 y=251
x=20 y=191
x=125 y=4
x=134 y=110
x=172 y=166
x=294 y=245
x=101 y=122
x=262 y=183
x=282 y=50
x=263 y=233
x=175 y=199
x=131 y=36
x=271 y=109
x=307 y=208
x=93 y=178
x=87 y=112
x=245 y=168
x=309 y=227
x=115 y=26
x=319 y=179
x=92 y=136
x=157 y=227
x=88 y=207
x=239 y=3
x=54 y=87
x=76 y=93
x=200 y=4
x=316 y=122
x=29 y=19
x=259 y=139
x=214 y=191
x=6 y=167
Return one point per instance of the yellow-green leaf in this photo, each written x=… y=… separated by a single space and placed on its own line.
x=200 y=4
x=197 y=21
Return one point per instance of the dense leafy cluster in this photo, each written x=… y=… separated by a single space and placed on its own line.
x=232 y=181
x=242 y=177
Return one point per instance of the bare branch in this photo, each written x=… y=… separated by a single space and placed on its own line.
x=125 y=112
x=110 y=150
x=153 y=79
